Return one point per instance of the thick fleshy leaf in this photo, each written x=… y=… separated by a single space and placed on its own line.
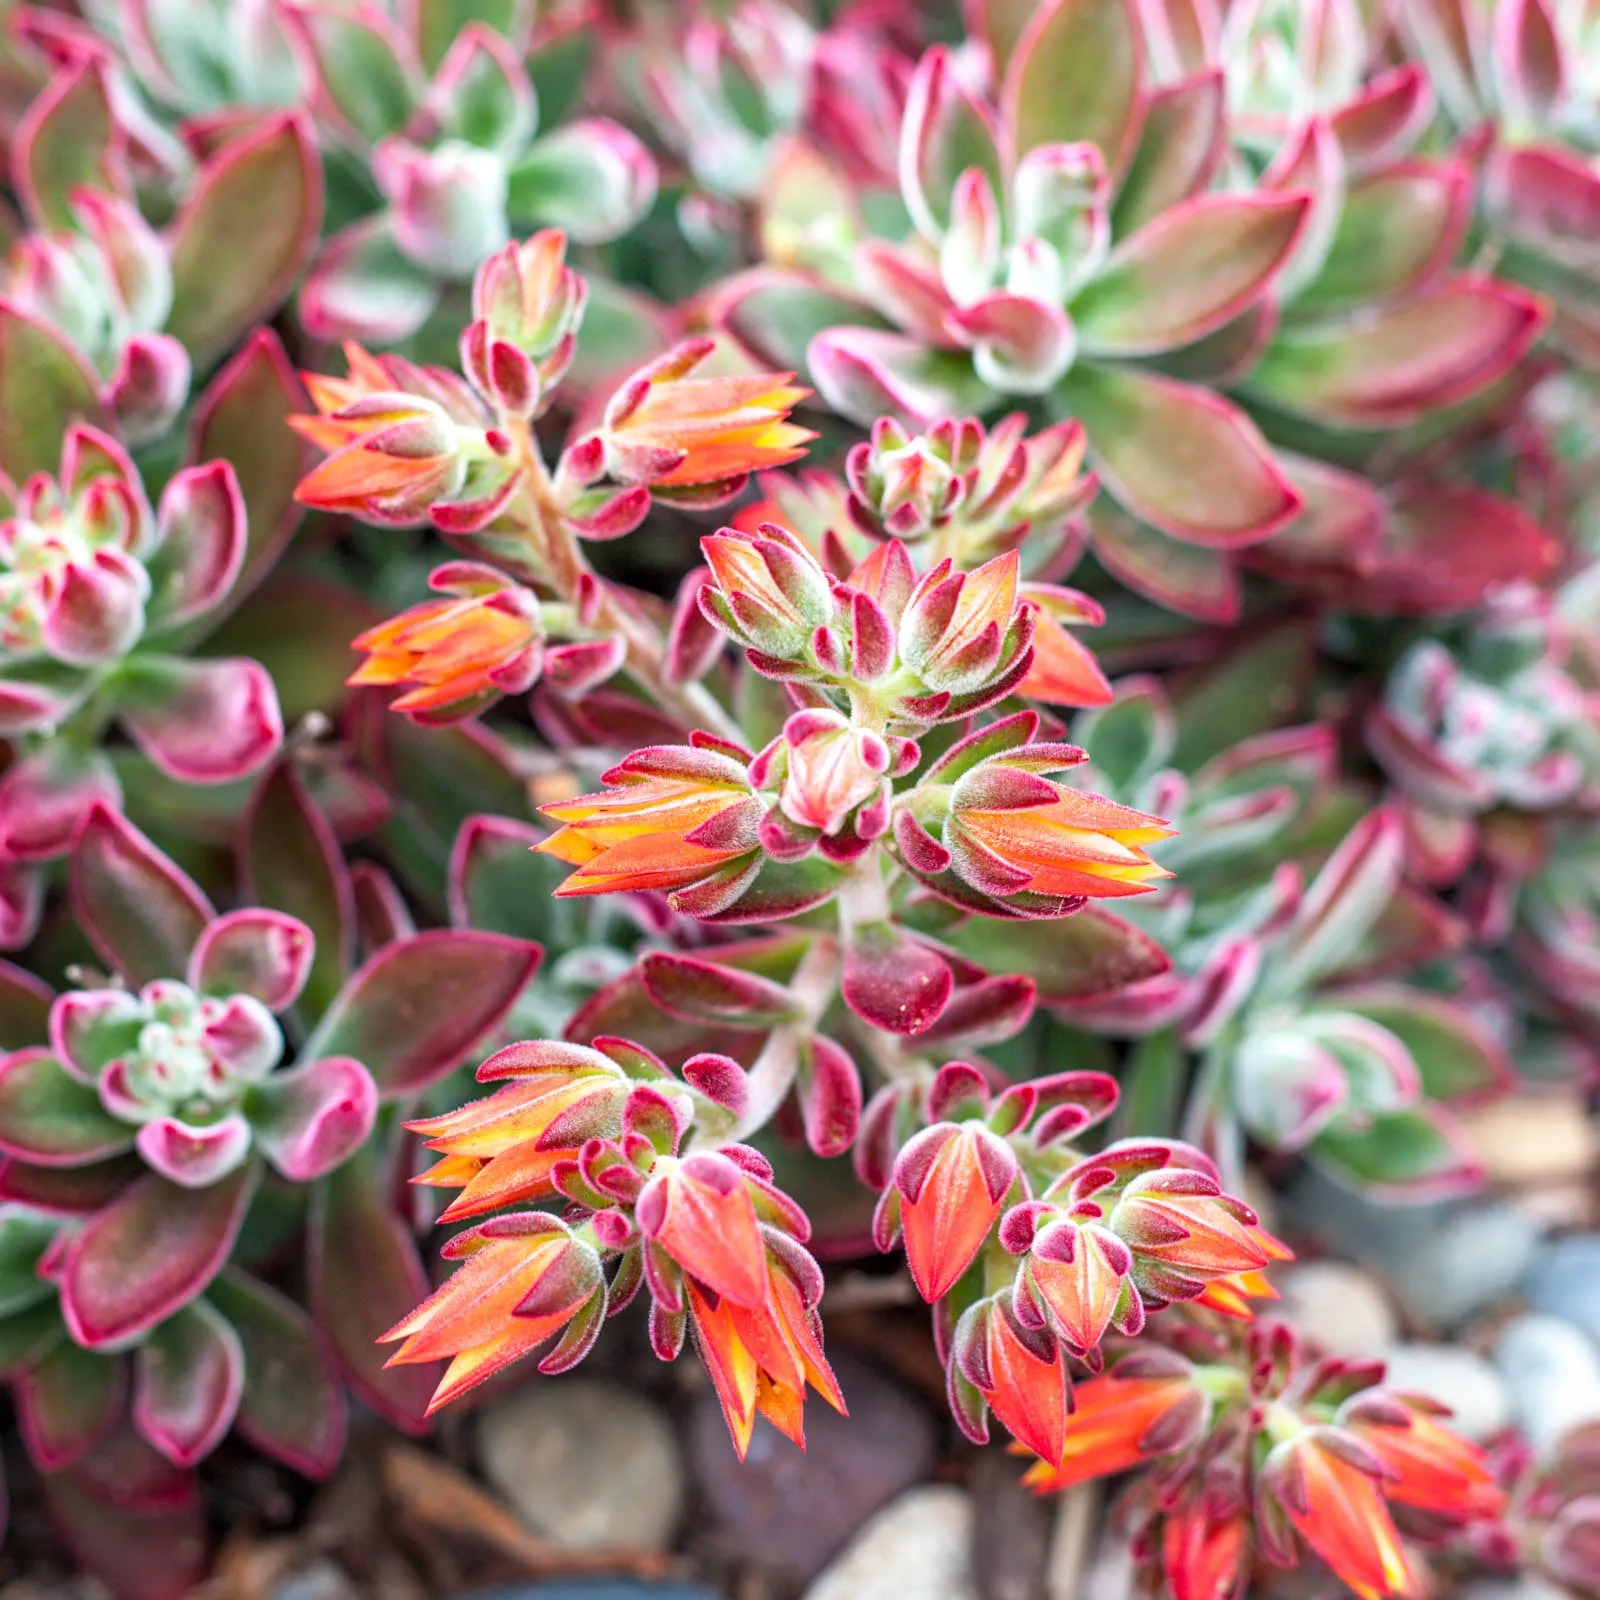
x=1456 y=1058
x=946 y=132
x=1397 y=230
x=239 y=419
x=292 y=861
x=1182 y=141
x=416 y=1009
x=1340 y=525
x=1195 y=267
x=892 y=981
x=863 y=374
x=68 y=138
x=1385 y=119
x=188 y=1379
x=499 y=882
x=45 y=799
x=67 y=1403
x=1181 y=458
x=1076 y=74
x=152 y=1250
x=1342 y=903
x=1548 y=200
x=24 y=1008
x=1396 y=365
x=292 y=1406
x=1187 y=578
x=1414 y=1155
x=775 y=315
x=254 y=952
x=1082 y=957
x=364 y=287
x=141 y=912
x=311 y=1118
x=23 y=1241
x=45 y=386
x=194 y=1157
x=363 y=66
x=201 y=525
x=695 y=989
x=52 y=1118
x=244 y=232
x=131 y=1519
x=365 y=1275
x=202 y=721
x=591 y=178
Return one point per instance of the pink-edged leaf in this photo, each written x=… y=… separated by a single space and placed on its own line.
x=1529 y=62
x=694 y=989
x=1548 y=200
x=1187 y=273
x=188 y=1380
x=1397 y=365
x=1187 y=578
x=382 y=915
x=363 y=287
x=774 y=315
x=1385 y=119
x=1180 y=458
x=24 y=1007
x=255 y=952
x=416 y=1009
x=291 y=861
x=201 y=525
x=1343 y=901
x=67 y=1403
x=362 y=64
x=1399 y=229
x=365 y=1275
x=68 y=138
x=46 y=798
x=68 y=1191
x=244 y=232
x=202 y=721
x=45 y=386
x=194 y=1157
x=864 y=373
x=1418 y=1154
x=132 y=1520
x=142 y=913
x=292 y=1406
x=1183 y=139
x=1456 y=1057
x=892 y=981
x=239 y=419
x=1000 y=24
x=1088 y=955
x=311 y=1118
x=828 y=1086
x=149 y=1252
x=1077 y=74
x=1341 y=522
x=49 y=1117
x=946 y=132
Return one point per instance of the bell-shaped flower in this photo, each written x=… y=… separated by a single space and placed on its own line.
x=1427 y=1465
x=1148 y=1406
x=701 y=1212
x=670 y=819
x=1019 y=1371
x=962 y=631
x=761 y=1358
x=459 y=654
x=768 y=590
x=670 y=430
x=832 y=768
x=1330 y=1489
x=1184 y=1231
x=525 y=1280
x=1203 y=1554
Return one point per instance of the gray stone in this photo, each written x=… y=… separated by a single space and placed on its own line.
x=1110 y=1572
x=1565 y=1281
x=916 y=1548
x=790 y=1510
x=1525 y=1586
x=1455 y=1377
x=586 y=1465
x=1342 y=1307
x=1552 y=1370
x=320 y=1579
x=1444 y=1262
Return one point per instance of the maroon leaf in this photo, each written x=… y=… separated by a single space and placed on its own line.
x=51 y=1118
x=293 y=1406
x=1085 y=956
x=24 y=1008
x=244 y=232
x=365 y=1275
x=416 y=1009
x=697 y=990
x=891 y=981
x=292 y=861
x=1187 y=578
x=151 y=1251
x=188 y=1379
x=142 y=914
x=67 y=1403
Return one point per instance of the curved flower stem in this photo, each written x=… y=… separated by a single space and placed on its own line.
x=559 y=554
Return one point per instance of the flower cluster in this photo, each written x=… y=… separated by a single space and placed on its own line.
x=966 y=632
